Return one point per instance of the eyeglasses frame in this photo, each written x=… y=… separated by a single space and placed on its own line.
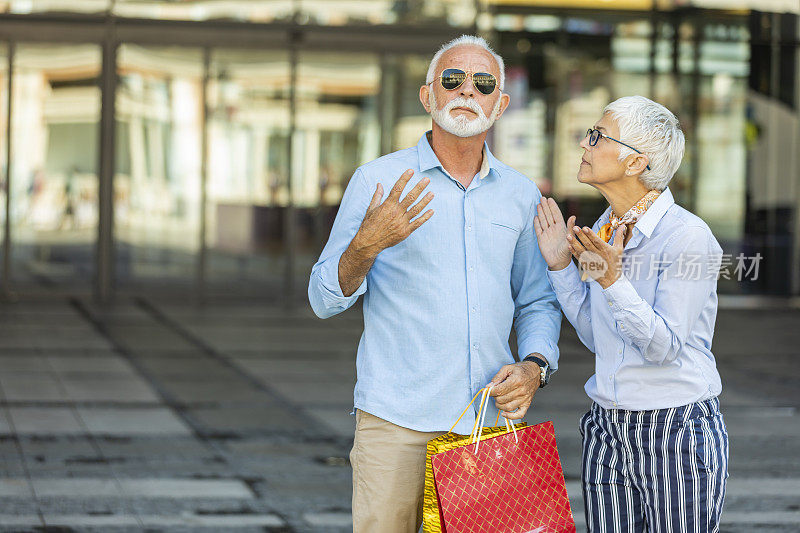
x=590 y=131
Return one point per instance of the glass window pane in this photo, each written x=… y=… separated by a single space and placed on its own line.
x=406 y=76
x=55 y=113
x=248 y=170
x=157 y=179
x=337 y=131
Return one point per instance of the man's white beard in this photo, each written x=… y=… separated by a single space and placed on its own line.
x=461 y=126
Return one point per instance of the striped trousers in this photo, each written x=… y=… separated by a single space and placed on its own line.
x=659 y=471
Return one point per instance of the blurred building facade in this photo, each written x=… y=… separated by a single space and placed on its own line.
x=199 y=148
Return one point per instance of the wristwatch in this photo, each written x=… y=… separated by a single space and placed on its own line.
x=544 y=368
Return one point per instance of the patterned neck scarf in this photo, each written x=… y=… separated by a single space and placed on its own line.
x=630 y=217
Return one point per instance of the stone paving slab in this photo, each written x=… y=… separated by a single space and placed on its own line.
x=134 y=421
x=236 y=418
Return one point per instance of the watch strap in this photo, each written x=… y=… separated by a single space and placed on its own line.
x=543 y=366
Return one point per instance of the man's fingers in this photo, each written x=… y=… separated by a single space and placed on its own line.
x=518 y=414
x=420 y=220
x=414 y=193
x=501 y=375
x=509 y=403
x=376 y=198
x=400 y=184
x=419 y=206
x=506 y=387
x=510 y=399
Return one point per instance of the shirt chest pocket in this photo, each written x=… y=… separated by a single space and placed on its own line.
x=498 y=243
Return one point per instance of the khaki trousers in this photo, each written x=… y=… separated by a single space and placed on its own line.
x=388 y=475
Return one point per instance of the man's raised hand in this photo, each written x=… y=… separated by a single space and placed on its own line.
x=388 y=223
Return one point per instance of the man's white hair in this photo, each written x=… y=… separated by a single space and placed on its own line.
x=652 y=129
x=470 y=40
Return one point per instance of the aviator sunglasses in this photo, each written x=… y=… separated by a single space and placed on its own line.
x=452 y=78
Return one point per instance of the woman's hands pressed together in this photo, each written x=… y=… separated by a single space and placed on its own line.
x=559 y=242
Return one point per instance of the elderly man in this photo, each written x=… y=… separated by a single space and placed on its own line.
x=441 y=291
x=655 y=447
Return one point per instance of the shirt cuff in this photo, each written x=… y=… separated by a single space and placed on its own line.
x=565 y=280
x=332 y=293
x=539 y=345
x=621 y=295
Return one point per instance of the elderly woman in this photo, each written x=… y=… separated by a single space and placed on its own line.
x=655 y=447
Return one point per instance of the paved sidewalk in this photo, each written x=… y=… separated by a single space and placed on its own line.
x=161 y=417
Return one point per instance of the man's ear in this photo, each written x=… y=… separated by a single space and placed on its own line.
x=424 y=97
x=636 y=164
x=504 y=101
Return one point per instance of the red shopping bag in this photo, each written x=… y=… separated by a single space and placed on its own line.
x=508 y=483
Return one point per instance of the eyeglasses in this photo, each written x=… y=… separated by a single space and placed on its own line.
x=452 y=78
x=595 y=134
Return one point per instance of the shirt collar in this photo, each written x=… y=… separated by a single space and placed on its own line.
x=428 y=159
x=648 y=221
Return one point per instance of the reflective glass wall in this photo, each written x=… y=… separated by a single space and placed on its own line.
x=157 y=181
x=248 y=169
x=337 y=129
x=53 y=218
x=231 y=158
x=561 y=72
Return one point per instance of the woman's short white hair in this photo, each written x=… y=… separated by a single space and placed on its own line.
x=652 y=129
x=471 y=40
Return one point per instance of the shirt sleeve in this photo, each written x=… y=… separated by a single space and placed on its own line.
x=537 y=317
x=324 y=291
x=682 y=292
x=573 y=295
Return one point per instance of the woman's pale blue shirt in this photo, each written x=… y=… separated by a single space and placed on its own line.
x=651 y=330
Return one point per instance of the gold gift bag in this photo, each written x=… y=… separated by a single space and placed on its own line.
x=431 y=519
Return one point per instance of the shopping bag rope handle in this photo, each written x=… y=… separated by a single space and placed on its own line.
x=477 y=428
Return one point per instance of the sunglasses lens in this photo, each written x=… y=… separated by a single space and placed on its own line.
x=452 y=78
x=484 y=82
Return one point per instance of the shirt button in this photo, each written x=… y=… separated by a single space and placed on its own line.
x=474 y=308
x=475 y=345
x=469 y=228
x=471 y=269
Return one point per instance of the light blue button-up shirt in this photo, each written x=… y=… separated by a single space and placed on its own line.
x=439 y=306
x=651 y=329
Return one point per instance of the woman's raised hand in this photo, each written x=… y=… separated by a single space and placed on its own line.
x=551 y=232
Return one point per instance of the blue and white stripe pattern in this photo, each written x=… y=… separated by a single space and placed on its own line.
x=660 y=471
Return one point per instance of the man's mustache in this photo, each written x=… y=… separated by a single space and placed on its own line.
x=467 y=104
